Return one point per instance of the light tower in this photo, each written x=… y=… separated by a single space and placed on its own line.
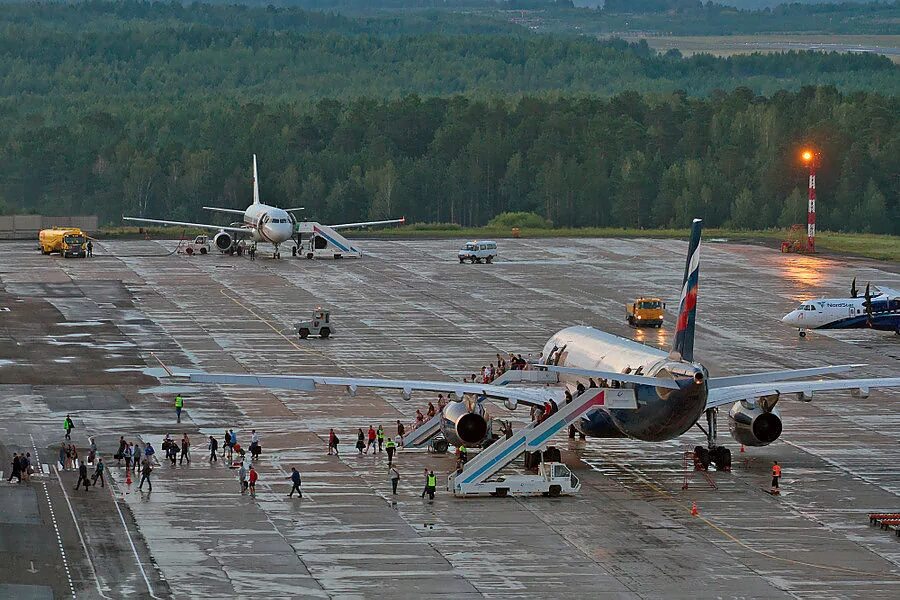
x=811 y=159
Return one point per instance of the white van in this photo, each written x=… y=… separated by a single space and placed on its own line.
x=477 y=252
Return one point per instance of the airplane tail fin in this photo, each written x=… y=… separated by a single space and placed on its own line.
x=255 y=183
x=687 y=309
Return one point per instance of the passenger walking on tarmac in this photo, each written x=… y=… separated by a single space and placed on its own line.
x=68 y=425
x=242 y=477
x=90 y=248
x=430 y=484
x=16 y=469
x=371 y=442
x=213 y=449
x=380 y=436
x=333 y=442
x=92 y=453
x=391 y=447
x=25 y=466
x=253 y=477
x=146 y=469
x=255 y=448
x=360 y=440
x=82 y=477
x=227 y=448
x=776 y=475
x=120 y=453
x=394 y=474
x=179 y=404
x=73 y=451
x=98 y=473
x=149 y=452
x=135 y=457
x=62 y=456
x=128 y=454
x=172 y=452
x=295 y=479
x=401 y=430
x=185 y=449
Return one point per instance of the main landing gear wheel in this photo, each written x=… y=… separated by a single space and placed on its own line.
x=294 y=251
x=803 y=333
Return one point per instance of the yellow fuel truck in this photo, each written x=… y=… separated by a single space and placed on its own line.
x=70 y=242
x=645 y=312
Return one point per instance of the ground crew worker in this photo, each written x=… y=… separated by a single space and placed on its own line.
x=463 y=454
x=776 y=475
x=90 y=248
x=380 y=435
x=253 y=477
x=395 y=478
x=98 y=473
x=430 y=484
x=82 y=477
x=68 y=425
x=391 y=447
x=295 y=478
x=179 y=404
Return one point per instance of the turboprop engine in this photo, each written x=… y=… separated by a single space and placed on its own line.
x=223 y=241
x=464 y=423
x=754 y=424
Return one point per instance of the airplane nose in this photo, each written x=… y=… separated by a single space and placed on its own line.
x=789 y=318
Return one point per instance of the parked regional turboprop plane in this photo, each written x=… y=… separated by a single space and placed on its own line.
x=880 y=311
x=672 y=391
x=260 y=223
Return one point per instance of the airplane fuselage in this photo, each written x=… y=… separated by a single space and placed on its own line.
x=846 y=313
x=268 y=223
x=662 y=413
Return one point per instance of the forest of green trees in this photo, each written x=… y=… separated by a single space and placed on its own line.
x=152 y=109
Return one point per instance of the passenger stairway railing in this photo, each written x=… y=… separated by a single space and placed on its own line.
x=419 y=436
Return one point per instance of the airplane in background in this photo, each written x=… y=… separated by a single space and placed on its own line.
x=672 y=392
x=260 y=223
x=880 y=311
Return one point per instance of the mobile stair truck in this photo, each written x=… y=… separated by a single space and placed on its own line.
x=481 y=474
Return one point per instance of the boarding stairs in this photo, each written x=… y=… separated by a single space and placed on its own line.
x=420 y=436
x=474 y=478
x=335 y=245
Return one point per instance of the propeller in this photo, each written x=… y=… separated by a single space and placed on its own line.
x=868 y=305
x=853 y=291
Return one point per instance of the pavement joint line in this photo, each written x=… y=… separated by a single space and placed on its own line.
x=650 y=484
x=80 y=536
x=137 y=558
x=59 y=541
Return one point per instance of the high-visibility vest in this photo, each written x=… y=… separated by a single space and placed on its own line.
x=391 y=443
x=432 y=481
x=462 y=450
x=179 y=402
x=380 y=433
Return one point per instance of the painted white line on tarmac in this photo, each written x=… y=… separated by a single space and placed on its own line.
x=131 y=542
x=59 y=541
x=81 y=536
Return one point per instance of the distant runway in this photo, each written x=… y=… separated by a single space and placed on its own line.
x=78 y=334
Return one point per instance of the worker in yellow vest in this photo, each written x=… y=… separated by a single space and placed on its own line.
x=430 y=484
x=391 y=447
x=179 y=404
x=380 y=435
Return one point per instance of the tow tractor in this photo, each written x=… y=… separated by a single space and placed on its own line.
x=200 y=245
x=319 y=325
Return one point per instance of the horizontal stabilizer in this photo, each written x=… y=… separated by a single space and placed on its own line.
x=613 y=376
x=772 y=376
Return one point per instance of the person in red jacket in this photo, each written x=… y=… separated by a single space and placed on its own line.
x=371 y=443
x=253 y=477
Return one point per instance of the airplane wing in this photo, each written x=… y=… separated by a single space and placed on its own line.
x=530 y=396
x=367 y=223
x=233 y=211
x=184 y=224
x=773 y=376
x=729 y=395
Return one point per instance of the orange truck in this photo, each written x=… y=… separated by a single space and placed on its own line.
x=70 y=242
x=645 y=312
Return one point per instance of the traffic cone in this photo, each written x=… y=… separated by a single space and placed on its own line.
x=127 y=476
x=694 y=511
x=742 y=448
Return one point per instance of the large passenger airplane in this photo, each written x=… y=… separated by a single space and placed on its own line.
x=260 y=223
x=880 y=311
x=673 y=391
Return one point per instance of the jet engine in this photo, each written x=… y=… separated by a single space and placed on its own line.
x=223 y=241
x=464 y=423
x=753 y=425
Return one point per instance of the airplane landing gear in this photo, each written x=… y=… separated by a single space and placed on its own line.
x=276 y=254
x=713 y=453
x=802 y=333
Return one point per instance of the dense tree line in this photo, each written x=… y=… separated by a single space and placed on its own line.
x=628 y=160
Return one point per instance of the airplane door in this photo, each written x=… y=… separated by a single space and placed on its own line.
x=851 y=312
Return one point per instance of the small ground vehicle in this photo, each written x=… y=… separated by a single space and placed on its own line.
x=552 y=479
x=645 y=312
x=200 y=245
x=70 y=242
x=319 y=325
x=477 y=252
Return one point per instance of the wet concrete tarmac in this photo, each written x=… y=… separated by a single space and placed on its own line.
x=78 y=334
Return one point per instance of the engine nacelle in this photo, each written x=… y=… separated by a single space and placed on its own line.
x=223 y=241
x=461 y=424
x=752 y=425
